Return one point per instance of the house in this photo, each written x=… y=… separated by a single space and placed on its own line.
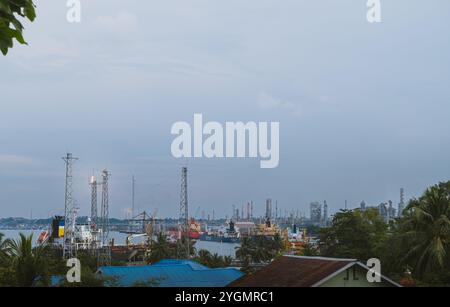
x=171 y=273
x=298 y=271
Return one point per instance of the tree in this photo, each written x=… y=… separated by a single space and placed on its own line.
x=259 y=249
x=212 y=260
x=89 y=278
x=354 y=234
x=245 y=251
x=425 y=232
x=181 y=248
x=160 y=249
x=216 y=261
x=4 y=249
x=227 y=260
x=308 y=250
x=151 y=282
x=6 y=272
x=278 y=245
x=10 y=26
x=28 y=263
x=204 y=257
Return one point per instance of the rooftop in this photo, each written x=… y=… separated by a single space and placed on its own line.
x=173 y=273
x=297 y=271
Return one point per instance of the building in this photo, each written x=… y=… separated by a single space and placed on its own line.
x=246 y=228
x=325 y=213
x=296 y=271
x=363 y=206
x=401 y=204
x=391 y=211
x=387 y=211
x=315 y=212
x=171 y=273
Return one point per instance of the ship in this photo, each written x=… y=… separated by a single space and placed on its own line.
x=296 y=238
x=194 y=230
x=228 y=234
x=268 y=229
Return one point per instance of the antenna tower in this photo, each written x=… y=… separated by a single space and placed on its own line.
x=104 y=256
x=184 y=213
x=70 y=211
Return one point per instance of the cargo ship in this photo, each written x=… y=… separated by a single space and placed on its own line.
x=228 y=234
x=194 y=230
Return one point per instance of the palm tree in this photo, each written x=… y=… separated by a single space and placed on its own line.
x=181 y=248
x=204 y=257
x=278 y=243
x=245 y=254
x=4 y=249
x=216 y=261
x=227 y=260
x=28 y=263
x=426 y=229
x=309 y=250
x=160 y=249
x=246 y=250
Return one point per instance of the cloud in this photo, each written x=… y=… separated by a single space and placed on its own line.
x=269 y=102
x=6 y=159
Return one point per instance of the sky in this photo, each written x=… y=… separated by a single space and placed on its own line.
x=363 y=108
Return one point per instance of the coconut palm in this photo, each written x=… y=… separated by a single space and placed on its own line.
x=160 y=249
x=426 y=229
x=4 y=249
x=6 y=272
x=181 y=248
x=28 y=263
x=204 y=257
x=227 y=260
x=246 y=250
x=216 y=261
x=278 y=243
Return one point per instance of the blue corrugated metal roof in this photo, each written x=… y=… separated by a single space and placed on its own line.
x=173 y=273
x=194 y=264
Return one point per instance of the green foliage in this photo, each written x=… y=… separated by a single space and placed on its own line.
x=7 y=276
x=25 y=266
x=89 y=278
x=308 y=250
x=10 y=26
x=212 y=260
x=181 y=250
x=259 y=249
x=422 y=236
x=419 y=241
x=354 y=234
x=152 y=282
x=4 y=250
x=160 y=249
x=29 y=264
x=89 y=275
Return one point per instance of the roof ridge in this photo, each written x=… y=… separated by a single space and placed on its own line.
x=322 y=258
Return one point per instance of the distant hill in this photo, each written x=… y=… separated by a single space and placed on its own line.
x=24 y=223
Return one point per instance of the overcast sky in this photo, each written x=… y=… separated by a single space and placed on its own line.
x=363 y=108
